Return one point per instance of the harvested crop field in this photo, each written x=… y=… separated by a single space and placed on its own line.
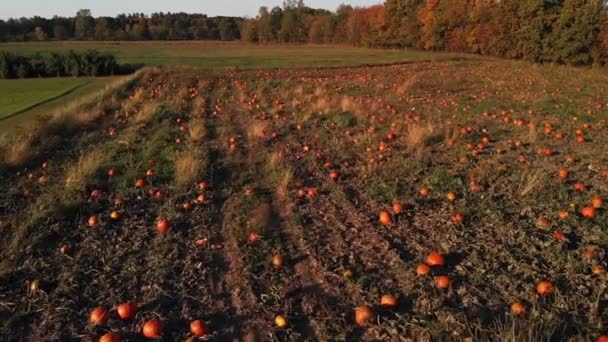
x=459 y=188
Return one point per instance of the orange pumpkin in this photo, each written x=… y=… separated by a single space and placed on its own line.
x=588 y=212
x=363 y=314
x=152 y=329
x=99 y=316
x=518 y=309
x=140 y=183
x=126 y=310
x=93 y=221
x=397 y=208
x=442 y=282
x=563 y=173
x=388 y=301
x=110 y=337
x=457 y=218
x=163 y=225
x=544 y=288
x=435 y=260
x=385 y=217
x=423 y=270
x=198 y=328
x=597 y=202
x=425 y=192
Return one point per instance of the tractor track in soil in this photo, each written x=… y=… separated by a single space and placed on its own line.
x=312 y=297
x=243 y=303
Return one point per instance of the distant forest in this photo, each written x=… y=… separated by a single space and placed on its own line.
x=560 y=31
x=158 y=26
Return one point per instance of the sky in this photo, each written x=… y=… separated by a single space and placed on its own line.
x=49 y=8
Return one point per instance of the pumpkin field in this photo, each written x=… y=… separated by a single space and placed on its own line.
x=433 y=200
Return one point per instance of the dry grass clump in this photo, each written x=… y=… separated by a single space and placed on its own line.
x=146 y=112
x=405 y=87
x=281 y=176
x=199 y=105
x=256 y=130
x=419 y=137
x=285 y=178
x=18 y=152
x=531 y=181
x=348 y=104
x=197 y=129
x=532 y=134
x=321 y=106
x=85 y=168
x=188 y=167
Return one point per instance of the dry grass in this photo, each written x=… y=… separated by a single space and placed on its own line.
x=146 y=112
x=349 y=104
x=256 y=130
x=532 y=134
x=285 y=178
x=532 y=330
x=419 y=136
x=281 y=175
x=405 y=87
x=188 y=167
x=197 y=129
x=321 y=106
x=531 y=181
x=87 y=165
x=199 y=105
x=19 y=152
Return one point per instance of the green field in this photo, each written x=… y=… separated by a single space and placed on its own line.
x=232 y=54
x=20 y=95
x=29 y=93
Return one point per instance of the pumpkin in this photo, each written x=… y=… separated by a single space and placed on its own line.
x=110 y=337
x=163 y=225
x=363 y=314
x=388 y=301
x=423 y=270
x=425 y=192
x=198 y=328
x=280 y=321
x=588 y=212
x=277 y=261
x=597 y=202
x=99 y=316
x=451 y=196
x=140 y=183
x=152 y=329
x=397 y=208
x=442 y=282
x=518 y=309
x=126 y=310
x=115 y=215
x=435 y=260
x=385 y=217
x=93 y=221
x=457 y=218
x=544 y=288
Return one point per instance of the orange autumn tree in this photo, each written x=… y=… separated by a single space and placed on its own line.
x=562 y=31
x=364 y=25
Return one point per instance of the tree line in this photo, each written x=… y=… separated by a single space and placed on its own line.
x=561 y=31
x=137 y=26
x=89 y=63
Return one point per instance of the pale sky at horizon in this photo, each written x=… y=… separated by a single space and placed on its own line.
x=65 y=8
